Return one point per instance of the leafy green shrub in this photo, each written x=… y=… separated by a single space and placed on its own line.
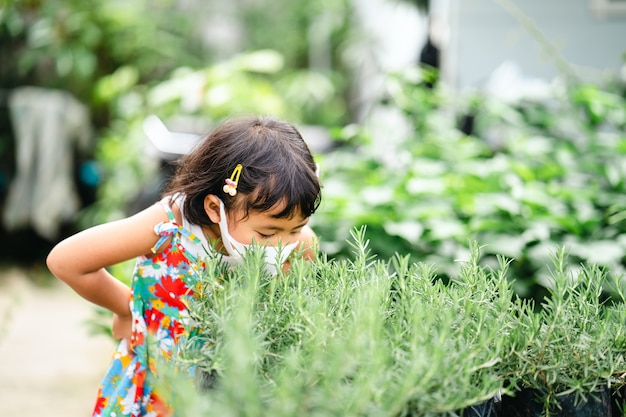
x=70 y=45
x=315 y=38
x=128 y=59
x=93 y=51
x=350 y=337
x=366 y=337
x=533 y=176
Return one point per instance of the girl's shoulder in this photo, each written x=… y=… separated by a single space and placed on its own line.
x=192 y=235
x=172 y=206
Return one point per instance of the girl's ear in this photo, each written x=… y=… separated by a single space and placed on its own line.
x=212 y=208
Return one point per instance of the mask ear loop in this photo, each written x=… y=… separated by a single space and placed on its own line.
x=231 y=183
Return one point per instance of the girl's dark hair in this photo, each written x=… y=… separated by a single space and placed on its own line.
x=277 y=168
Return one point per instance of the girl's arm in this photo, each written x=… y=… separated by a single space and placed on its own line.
x=81 y=259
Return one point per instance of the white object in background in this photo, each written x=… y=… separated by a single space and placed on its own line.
x=170 y=144
x=48 y=124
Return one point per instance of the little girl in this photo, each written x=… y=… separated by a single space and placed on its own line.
x=251 y=180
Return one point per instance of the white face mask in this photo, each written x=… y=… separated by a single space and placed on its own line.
x=275 y=256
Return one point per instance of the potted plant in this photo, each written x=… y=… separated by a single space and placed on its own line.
x=569 y=355
x=451 y=338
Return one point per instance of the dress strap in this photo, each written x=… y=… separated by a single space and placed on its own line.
x=168 y=209
x=172 y=230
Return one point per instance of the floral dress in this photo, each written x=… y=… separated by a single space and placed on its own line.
x=160 y=285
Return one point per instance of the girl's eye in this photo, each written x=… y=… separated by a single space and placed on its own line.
x=264 y=236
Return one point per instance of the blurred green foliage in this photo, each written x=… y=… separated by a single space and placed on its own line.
x=79 y=47
x=128 y=59
x=531 y=176
x=71 y=44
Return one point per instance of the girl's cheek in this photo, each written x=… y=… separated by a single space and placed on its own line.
x=243 y=237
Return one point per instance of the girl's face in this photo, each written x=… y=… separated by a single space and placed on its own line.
x=264 y=228
x=259 y=227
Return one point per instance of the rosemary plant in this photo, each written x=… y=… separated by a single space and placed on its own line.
x=574 y=344
x=349 y=337
x=366 y=337
x=449 y=339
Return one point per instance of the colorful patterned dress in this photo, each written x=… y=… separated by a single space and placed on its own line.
x=160 y=285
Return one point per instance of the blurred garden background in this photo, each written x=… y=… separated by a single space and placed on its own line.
x=434 y=122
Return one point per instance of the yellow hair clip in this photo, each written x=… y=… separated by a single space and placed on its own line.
x=231 y=183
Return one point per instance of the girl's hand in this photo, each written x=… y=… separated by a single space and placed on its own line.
x=122 y=327
x=309 y=243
